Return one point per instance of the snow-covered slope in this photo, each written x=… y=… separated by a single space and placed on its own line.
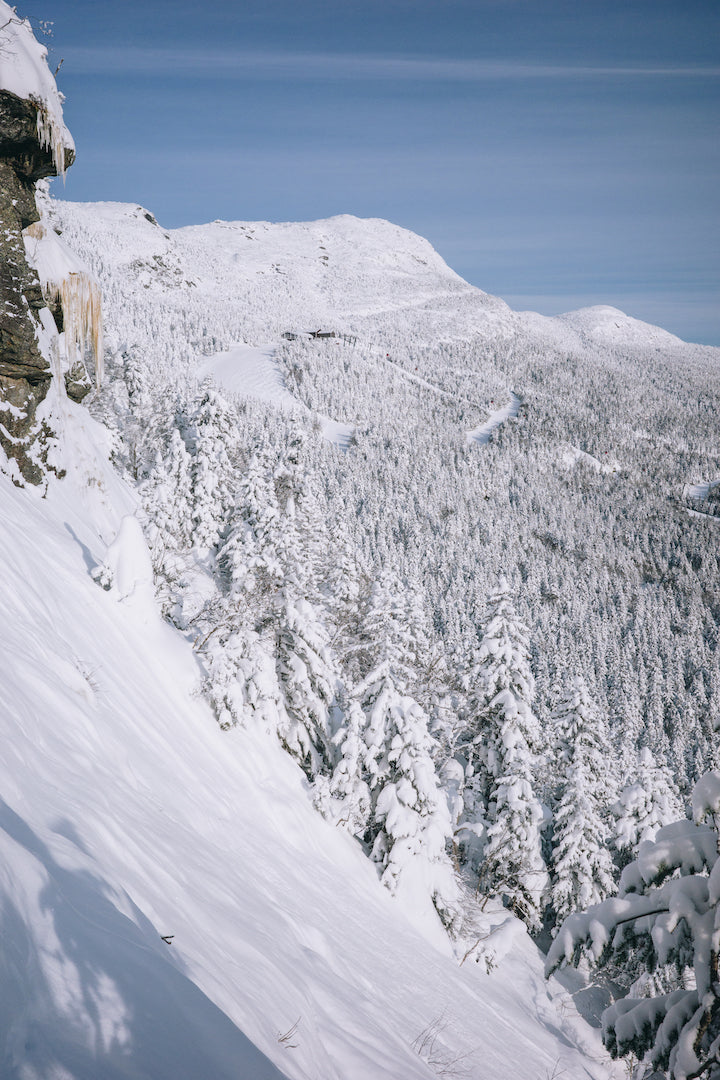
x=127 y=816
x=252 y=371
x=605 y=325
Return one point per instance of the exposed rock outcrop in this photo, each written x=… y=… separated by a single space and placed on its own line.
x=24 y=372
x=34 y=144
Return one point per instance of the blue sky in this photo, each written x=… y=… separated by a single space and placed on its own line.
x=556 y=154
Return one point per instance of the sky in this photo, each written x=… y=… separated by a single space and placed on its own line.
x=558 y=154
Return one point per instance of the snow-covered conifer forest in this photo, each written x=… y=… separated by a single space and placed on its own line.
x=360 y=648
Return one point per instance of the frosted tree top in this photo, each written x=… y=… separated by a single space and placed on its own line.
x=24 y=72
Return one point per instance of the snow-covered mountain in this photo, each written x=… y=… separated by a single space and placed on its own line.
x=357 y=630
x=129 y=814
x=422 y=366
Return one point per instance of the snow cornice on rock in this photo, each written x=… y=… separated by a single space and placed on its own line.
x=24 y=72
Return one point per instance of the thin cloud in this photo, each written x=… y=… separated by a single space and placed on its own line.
x=333 y=66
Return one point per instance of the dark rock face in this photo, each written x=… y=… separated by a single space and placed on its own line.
x=77 y=382
x=24 y=373
x=21 y=436
x=20 y=145
x=20 y=292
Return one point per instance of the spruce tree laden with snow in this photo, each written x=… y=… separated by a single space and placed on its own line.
x=307 y=669
x=343 y=603
x=305 y=525
x=473 y=790
x=249 y=559
x=583 y=868
x=345 y=796
x=168 y=502
x=263 y=564
x=408 y=822
x=505 y=735
x=240 y=680
x=411 y=813
x=309 y=678
x=646 y=803
x=666 y=915
x=214 y=446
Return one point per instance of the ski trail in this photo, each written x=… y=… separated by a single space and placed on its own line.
x=422 y=382
x=479 y=434
x=482 y=433
x=418 y=379
x=700 y=492
x=252 y=371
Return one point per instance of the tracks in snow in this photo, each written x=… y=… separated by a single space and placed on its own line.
x=479 y=434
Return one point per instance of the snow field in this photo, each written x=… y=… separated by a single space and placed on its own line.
x=250 y=371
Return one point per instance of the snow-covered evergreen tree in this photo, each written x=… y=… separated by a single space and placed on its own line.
x=666 y=914
x=248 y=559
x=309 y=678
x=506 y=734
x=167 y=496
x=647 y=802
x=304 y=524
x=412 y=819
x=214 y=444
x=343 y=604
x=583 y=868
x=390 y=760
x=345 y=796
x=240 y=679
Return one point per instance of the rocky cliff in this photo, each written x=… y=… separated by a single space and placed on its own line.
x=24 y=371
x=44 y=320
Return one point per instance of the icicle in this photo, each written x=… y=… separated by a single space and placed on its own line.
x=81 y=303
x=52 y=136
x=77 y=292
x=24 y=72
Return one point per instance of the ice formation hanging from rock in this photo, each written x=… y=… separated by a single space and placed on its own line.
x=79 y=296
x=52 y=133
x=34 y=144
x=66 y=283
